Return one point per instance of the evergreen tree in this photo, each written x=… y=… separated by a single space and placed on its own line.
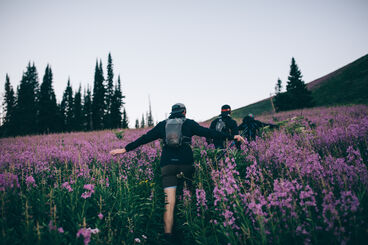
x=299 y=95
x=137 y=123
x=47 y=104
x=149 y=115
x=117 y=103
x=125 y=122
x=142 y=121
x=67 y=108
x=9 y=108
x=87 y=110
x=77 y=111
x=278 y=86
x=26 y=112
x=98 y=102
x=281 y=100
x=109 y=93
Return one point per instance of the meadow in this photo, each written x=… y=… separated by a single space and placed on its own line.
x=305 y=182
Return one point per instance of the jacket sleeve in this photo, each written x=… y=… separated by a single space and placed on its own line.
x=241 y=126
x=208 y=133
x=234 y=128
x=151 y=135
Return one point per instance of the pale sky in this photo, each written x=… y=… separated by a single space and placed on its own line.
x=200 y=53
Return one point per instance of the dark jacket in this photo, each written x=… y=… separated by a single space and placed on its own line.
x=180 y=155
x=231 y=128
x=250 y=127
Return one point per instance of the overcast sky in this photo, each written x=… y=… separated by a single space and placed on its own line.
x=200 y=53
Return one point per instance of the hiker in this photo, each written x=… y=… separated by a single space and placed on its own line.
x=250 y=126
x=224 y=123
x=177 y=155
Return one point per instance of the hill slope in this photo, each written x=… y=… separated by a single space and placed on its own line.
x=347 y=85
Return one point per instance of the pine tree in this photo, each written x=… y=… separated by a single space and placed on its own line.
x=142 y=121
x=281 y=100
x=137 y=123
x=77 y=111
x=87 y=110
x=278 y=86
x=47 y=104
x=299 y=95
x=125 y=122
x=149 y=115
x=109 y=93
x=117 y=103
x=67 y=108
x=26 y=112
x=9 y=108
x=98 y=102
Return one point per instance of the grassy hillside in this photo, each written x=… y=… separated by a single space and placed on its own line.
x=347 y=85
x=258 y=108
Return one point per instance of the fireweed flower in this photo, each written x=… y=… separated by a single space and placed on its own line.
x=89 y=192
x=8 y=180
x=67 y=186
x=201 y=200
x=86 y=233
x=60 y=230
x=52 y=227
x=186 y=196
x=100 y=216
x=30 y=181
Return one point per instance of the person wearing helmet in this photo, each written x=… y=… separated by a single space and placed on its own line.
x=225 y=124
x=177 y=155
x=250 y=126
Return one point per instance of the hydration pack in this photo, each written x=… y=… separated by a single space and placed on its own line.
x=174 y=136
x=220 y=125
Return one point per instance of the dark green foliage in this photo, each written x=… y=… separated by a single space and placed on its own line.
x=27 y=102
x=125 y=122
x=278 y=86
x=34 y=108
x=67 y=108
x=143 y=123
x=137 y=123
x=109 y=93
x=298 y=96
x=47 y=104
x=149 y=116
x=98 y=101
x=282 y=102
x=77 y=111
x=116 y=104
x=9 y=107
x=87 y=110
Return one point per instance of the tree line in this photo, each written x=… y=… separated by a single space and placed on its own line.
x=33 y=108
x=296 y=96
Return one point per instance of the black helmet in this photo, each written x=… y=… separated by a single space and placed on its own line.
x=178 y=108
x=225 y=110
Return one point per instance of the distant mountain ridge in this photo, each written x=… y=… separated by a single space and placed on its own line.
x=346 y=85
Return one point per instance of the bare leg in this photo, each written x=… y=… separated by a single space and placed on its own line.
x=170 y=196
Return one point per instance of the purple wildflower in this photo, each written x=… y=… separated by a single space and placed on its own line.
x=86 y=233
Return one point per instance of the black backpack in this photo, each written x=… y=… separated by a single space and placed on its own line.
x=220 y=125
x=173 y=132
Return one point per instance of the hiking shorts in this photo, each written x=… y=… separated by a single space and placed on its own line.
x=173 y=174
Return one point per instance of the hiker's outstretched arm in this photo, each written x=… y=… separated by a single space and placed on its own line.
x=151 y=135
x=208 y=133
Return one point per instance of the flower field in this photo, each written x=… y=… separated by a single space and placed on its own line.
x=305 y=182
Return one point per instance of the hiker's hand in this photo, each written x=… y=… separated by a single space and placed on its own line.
x=239 y=138
x=117 y=151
